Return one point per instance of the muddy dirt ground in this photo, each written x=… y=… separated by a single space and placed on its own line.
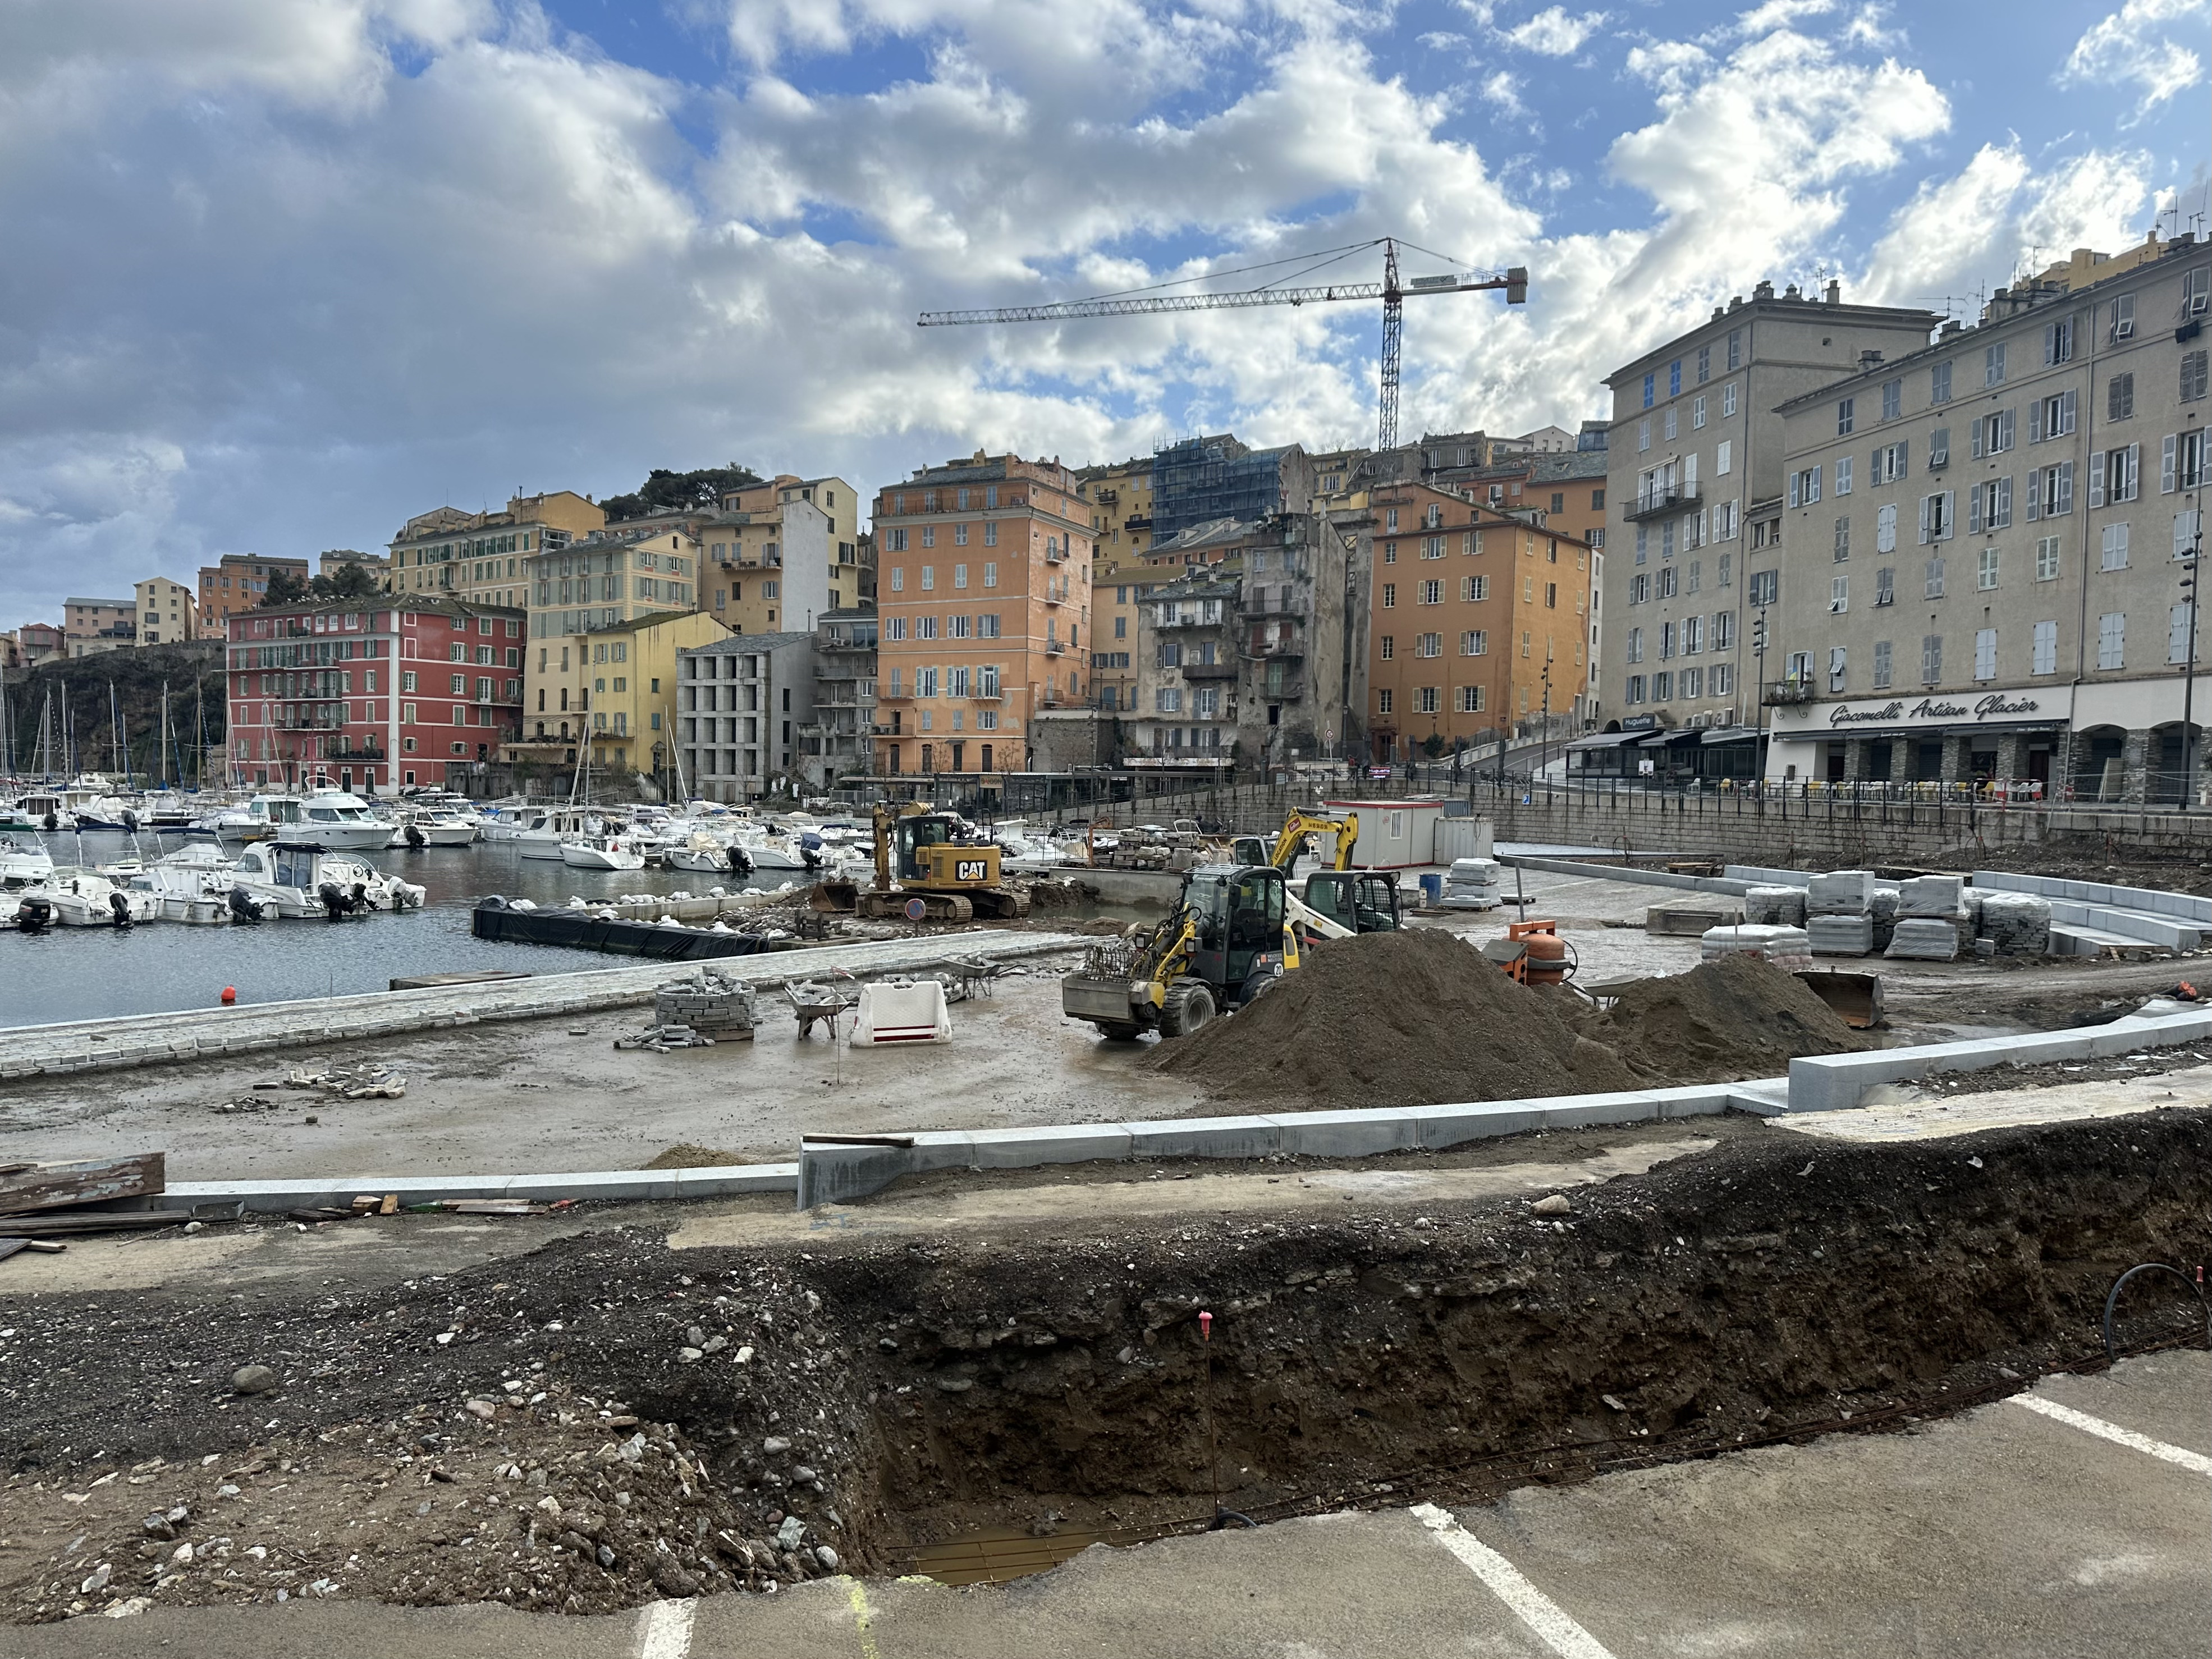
x=1044 y=1373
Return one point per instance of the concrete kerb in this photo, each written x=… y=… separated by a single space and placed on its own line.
x=630 y=1185
x=1733 y=887
x=1831 y=1083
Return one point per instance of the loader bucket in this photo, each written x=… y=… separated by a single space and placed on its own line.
x=1856 y=998
x=833 y=897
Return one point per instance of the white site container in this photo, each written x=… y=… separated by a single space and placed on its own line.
x=904 y=1010
x=1393 y=835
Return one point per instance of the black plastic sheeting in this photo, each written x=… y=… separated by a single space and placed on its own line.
x=493 y=919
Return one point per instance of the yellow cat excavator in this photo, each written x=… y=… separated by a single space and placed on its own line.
x=934 y=857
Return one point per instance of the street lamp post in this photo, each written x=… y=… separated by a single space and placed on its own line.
x=1544 y=733
x=1758 y=654
x=2190 y=567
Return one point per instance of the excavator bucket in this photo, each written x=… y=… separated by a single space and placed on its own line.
x=833 y=897
x=1856 y=997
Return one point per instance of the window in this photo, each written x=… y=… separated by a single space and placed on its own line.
x=459 y=686
x=2058 y=341
x=2184 y=546
x=1697 y=413
x=1390 y=552
x=1720 y=679
x=1666 y=421
x=1931 y=659
x=1843 y=539
x=1428 y=699
x=1843 y=475
x=2111 y=638
x=1988 y=506
x=1476 y=642
x=1383 y=699
x=924 y=627
x=1666 y=583
x=1168 y=699
x=2177 y=634
x=1470 y=699
x=1386 y=647
x=2195 y=291
x=1843 y=417
x=1675 y=378
x=1939 y=449
x=895 y=628
x=1639 y=589
x=1735 y=348
x=1893 y=399
x=991 y=532
x=1884 y=585
x=2046 y=643
x=1689 y=586
x=1635 y=645
x=928 y=575
x=2113 y=475
x=1429 y=645
x=2124 y=318
x=1993 y=365
x=1985 y=569
x=2113 y=551
x=1474 y=588
x=1993 y=433
x=1881 y=665
x=1885 y=529
x=1935 y=522
x=1888 y=465
x=1765 y=587
x=1933 y=578
x=2051 y=491
x=2193 y=366
x=1805 y=487
x=2120 y=398
x=960 y=572
x=1650 y=390
x=1839 y=595
x=1939 y=384
x=1723 y=457
x=1985 y=653
x=1632 y=688
x=1643 y=433
x=1837 y=674
x=1723 y=630
x=1662 y=687
x=1389 y=595
x=2046 y=559
x=2181 y=462
x=1432 y=593
x=991 y=573
x=987 y=625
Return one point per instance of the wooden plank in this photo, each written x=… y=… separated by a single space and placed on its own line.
x=91 y=1221
x=86 y=1180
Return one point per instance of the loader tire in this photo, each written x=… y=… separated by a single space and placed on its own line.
x=1188 y=1009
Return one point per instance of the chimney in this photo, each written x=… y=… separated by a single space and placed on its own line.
x=1835 y=295
x=1867 y=360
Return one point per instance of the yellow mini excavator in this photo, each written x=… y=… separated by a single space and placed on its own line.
x=935 y=857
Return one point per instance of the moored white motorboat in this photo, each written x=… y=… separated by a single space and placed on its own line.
x=84 y=898
x=542 y=829
x=333 y=819
x=312 y=881
x=601 y=852
x=192 y=885
x=432 y=827
x=24 y=860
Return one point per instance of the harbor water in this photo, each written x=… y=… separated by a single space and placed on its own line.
x=90 y=973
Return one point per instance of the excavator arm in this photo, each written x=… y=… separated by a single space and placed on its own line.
x=1298 y=825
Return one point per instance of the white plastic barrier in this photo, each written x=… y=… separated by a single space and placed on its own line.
x=904 y=1010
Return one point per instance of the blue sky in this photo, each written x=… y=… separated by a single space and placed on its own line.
x=286 y=271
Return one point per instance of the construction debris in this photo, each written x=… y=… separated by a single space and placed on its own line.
x=27 y=1185
x=369 y=1080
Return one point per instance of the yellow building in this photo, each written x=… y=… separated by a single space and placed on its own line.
x=618 y=683
x=479 y=557
x=781 y=554
x=165 y=611
x=1120 y=497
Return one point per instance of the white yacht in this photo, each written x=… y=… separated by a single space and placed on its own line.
x=302 y=881
x=433 y=826
x=341 y=821
x=23 y=860
x=541 y=830
x=260 y=817
x=192 y=885
x=601 y=852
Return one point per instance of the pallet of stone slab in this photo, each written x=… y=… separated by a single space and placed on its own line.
x=1774 y=907
x=1942 y=898
x=25 y=1187
x=1924 y=938
x=1839 y=936
x=2017 y=924
x=1690 y=918
x=1840 y=893
x=1784 y=947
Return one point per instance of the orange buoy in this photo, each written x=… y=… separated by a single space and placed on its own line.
x=229 y=995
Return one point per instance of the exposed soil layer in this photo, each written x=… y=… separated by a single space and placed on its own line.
x=1410 y=1019
x=1722 y=1021
x=2064 y=1073
x=1055 y=1376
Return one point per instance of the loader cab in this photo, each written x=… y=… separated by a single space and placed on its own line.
x=1361 y=899
x=911 y=834
x=1239 y=942
x=1249 y=849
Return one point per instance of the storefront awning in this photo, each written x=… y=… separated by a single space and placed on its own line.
x=1732 y=734
x=1604 y=740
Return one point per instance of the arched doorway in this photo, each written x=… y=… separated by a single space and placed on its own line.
x=2101 y=763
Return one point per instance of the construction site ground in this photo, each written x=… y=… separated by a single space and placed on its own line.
x=554 y=1094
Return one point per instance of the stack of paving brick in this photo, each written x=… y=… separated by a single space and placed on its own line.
x=1839 y=912
x=2014 y=924
x=1774 y=907
x=711 y=1005
x=1785 y=947
x=1931 y=912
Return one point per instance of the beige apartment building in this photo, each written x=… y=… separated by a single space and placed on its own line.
x=780 y=555
x=1693 y=450
x=479 y=557
x=1120 y=497
x=1985 y=544
x=983 y=606
x=90 y=627
x=167 y=613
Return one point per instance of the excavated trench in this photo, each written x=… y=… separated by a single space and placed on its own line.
x=973 y=1406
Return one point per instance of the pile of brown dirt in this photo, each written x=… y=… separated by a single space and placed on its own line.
x=1721 y=1021
x=1410 y=1019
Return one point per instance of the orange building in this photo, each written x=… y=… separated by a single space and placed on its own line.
x=235 y=583
x=1476 y=620
x=983 y=598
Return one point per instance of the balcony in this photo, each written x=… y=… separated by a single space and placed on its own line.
x=1658 y=500
x=987 y=695
x=370 y=753
x=1209 y=671
x=1055 y=648
x=1783 y=693
x=1285 y=651
x=1190 y=622
x=1138 y=521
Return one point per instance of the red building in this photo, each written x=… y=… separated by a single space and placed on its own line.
x=372 y=698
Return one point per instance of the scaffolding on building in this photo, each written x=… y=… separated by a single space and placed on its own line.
x=1199 y=479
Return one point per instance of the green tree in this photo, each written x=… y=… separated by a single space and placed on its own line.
x=1432 y=745
x=285 y=587
x=348 y=581
x=665 y=492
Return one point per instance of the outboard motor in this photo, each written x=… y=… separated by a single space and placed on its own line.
x=741 y=862
x=361 y=898
x=810 y=851
x=34 y=914
x=335 y=900
x=53 y=821
x=131 y=822
x=242 y=907
x=416 y=838
x=120 y=907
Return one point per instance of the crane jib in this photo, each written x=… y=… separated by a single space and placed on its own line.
x=1513 y=282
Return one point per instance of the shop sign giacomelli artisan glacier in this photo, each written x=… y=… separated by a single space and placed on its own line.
x=2033 y=705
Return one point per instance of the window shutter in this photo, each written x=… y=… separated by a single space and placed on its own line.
x=2166 y=464
x=1974 y=512
x=1976 y=440
x=1950 y=514
x=2135 y=456
x=2066 y=409
x=2065 y=501
x=2034 y=493
x=2184 y=533
x=2097 y=478
x=2005 y=442
x=1927 y=504
x=2035 y=416
x=2050 y=343
x=2001 y=518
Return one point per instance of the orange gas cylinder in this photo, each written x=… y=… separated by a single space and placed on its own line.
x=1547 y=959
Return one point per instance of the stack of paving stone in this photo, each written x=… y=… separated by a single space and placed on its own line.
x=1839 y=913
x=1473 y=884
x=1774 y=907
x=709 y=1004
x=1785 y=947
x=1882 y=911
x=1931 y=912
x=2015 y=923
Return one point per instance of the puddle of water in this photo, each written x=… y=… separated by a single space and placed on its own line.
x=993 y=1555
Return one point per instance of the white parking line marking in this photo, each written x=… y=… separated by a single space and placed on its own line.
x=667 y=1633
x=1530 y=1605
x=2195 y=1463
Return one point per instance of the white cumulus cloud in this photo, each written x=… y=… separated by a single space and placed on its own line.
x=2149 y=46
x=1555 y=33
